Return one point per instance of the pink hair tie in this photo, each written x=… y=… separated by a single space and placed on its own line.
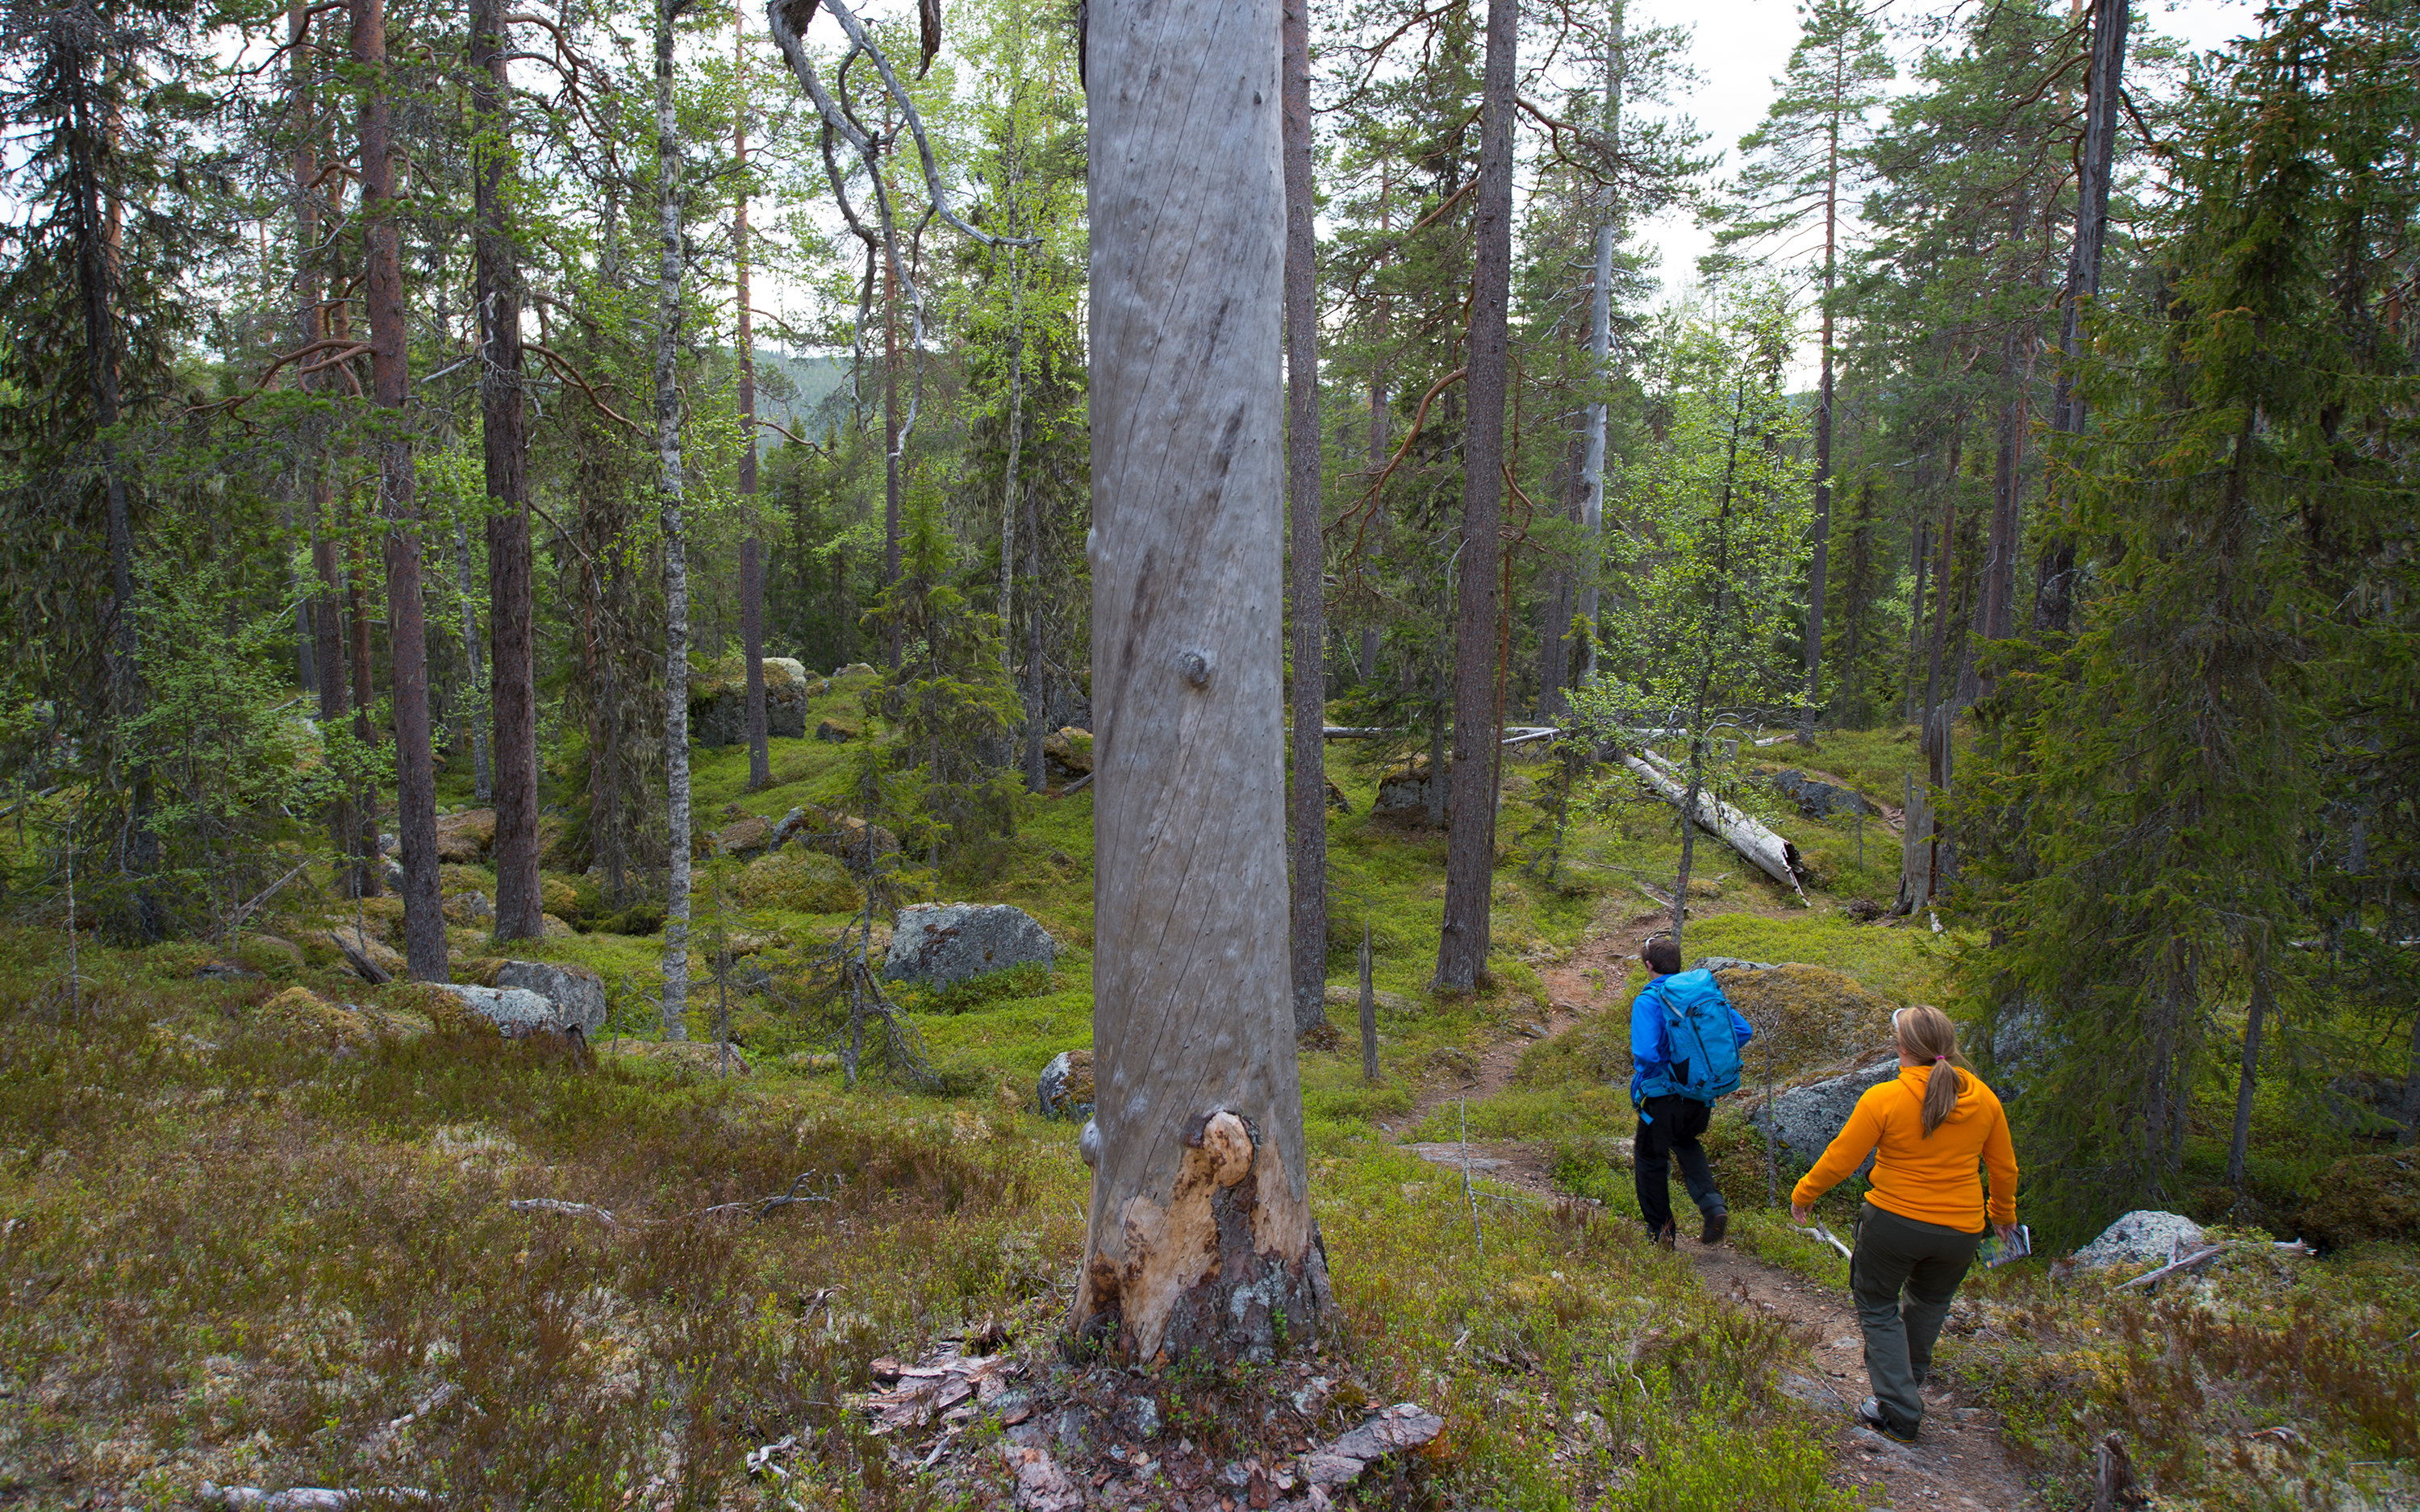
x=1938 y=1059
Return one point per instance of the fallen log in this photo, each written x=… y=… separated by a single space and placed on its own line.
x=1763 y=849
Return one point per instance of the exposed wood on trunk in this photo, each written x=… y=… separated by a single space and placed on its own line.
x=415 y=765
x=1470 y=847
x=1199 y=1235
x=1592 y=430
x=1306 y=910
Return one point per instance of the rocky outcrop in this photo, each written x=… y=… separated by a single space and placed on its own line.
x=2144 y=1237
x=1403 y=797
x=577 y=994
x=1070 y=750
x=837 y=732
x=944 y=944
x=1807 y=1118
x=718 y=702
x=514 y=1011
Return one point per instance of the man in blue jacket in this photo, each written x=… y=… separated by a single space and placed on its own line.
x=1669 y=1119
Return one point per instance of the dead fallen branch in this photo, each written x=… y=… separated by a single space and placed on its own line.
x=1763 y=849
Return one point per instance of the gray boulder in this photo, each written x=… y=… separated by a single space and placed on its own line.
x=1807 y=1118
x=2144 y=1237
x=1819 y=800
x=719 y=707
x=1065 y=1089
x=945 y=944
x=514 y=1011
x=1730 y=963
x=576 y=992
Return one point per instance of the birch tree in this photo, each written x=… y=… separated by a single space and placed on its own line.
x=1200 y=1234
x=669 y=498
x=1306 y=910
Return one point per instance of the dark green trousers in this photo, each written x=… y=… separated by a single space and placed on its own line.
x=1926 y=1261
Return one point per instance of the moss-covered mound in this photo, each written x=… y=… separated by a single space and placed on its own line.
x=2365 y=1197
x=797 y=879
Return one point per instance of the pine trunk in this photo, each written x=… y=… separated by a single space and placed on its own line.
x=752 y=548
x=416 y=764
x=1199 y=1238
x=1307 y=914
x=1471 y=851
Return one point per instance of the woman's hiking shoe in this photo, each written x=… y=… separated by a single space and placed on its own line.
x=1668 y=1238
x=1718 y=1222
x=1870 y=1414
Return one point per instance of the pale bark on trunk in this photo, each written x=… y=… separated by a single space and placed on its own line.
x=1608 y=231
x=1760 y=847
x=415 y=765
x=504 y=442
x=1470 y=846
x=669 y=489
x=890 y=500
x=466 y=586
x=1199 y=1238
x=1307 y=910
x=2248 y=1079
x=1938 y=715
x=2055 y=591
x=751 y=547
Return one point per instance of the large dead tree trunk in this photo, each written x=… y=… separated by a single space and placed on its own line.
x=669 y=498
x=416 y=762
x=1758 y=847
x=504 y=432
x=2055 y=591
x=1200 y=1237
x=1819 y=562
x=1307 y=913
x=1470 y=846
x=1608 y=231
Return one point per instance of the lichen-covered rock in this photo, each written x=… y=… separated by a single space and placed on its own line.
x=1070 y=747
x=750 y=834
x=468 y=908
x=718 y=701
x=358 y=946
x=577 y=993
x=1066 y=1089
x=945 y=944
x=1808 y=1019
x=513 y=1011
x=1403 y=797
x=2144 y=1237
x=1730 y=963
x=705 y=1055
x=1808 y=1118
x=837 y=732
x=464 y=838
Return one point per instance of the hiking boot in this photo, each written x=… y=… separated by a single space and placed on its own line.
x=1870 y=1414
x=1718 y=1222
x=1668 y=1238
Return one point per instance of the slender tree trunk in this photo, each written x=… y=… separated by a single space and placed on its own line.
x=1937 y=713
x=2055 y=592
x=1706 y=677
x=327 y=623
x=1608 y=231
x=482 y=785
x=1201 y=1236
x=669 y=492
x=1307 y=913
x=367 y=878
x=1821 y=561
x=1379 y=439
x=2247 y=1080
x=891 y=449
x=1470 y=851
x=751 y=547
x=416 y=764
x=505 y=447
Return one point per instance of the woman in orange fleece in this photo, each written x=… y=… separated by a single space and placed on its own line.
x=1930 y=1130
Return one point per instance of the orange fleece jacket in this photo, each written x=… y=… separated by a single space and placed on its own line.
x=1932 y=1181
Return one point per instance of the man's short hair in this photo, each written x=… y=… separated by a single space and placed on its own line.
x=1662 y=955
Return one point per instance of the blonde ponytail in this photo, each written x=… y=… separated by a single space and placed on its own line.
x=1927 y=1035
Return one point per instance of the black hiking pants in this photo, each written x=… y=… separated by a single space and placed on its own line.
x=1926 y=1261
x=1668 y=1128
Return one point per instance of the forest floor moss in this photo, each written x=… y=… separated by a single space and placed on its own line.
x=236 y=1256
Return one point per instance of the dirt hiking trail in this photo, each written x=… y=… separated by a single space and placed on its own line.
x=1961 y=1460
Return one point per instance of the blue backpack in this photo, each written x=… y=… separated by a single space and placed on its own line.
x=1701 y=1047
